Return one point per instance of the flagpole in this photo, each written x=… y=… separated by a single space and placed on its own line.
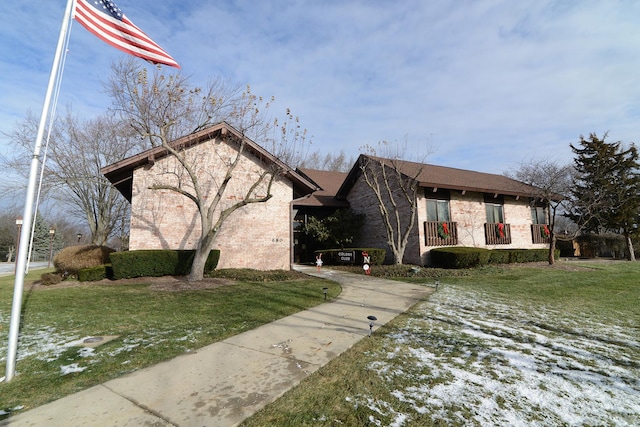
x=21 y=266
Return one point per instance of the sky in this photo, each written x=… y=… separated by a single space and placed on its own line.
x=483 y=85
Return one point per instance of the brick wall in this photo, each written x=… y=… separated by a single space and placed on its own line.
x=469 y=212
x=363 y=200
x=255 y=236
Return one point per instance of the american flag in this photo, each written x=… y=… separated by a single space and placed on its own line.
x=106 y=21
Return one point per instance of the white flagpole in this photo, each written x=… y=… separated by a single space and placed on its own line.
x=21 y=266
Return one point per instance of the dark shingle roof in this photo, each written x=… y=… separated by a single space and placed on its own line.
x=434 y=176
x=329 y=183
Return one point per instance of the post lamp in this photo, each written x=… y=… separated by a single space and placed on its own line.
x=52 y=232
x=372 y=320
x=19 y=226
x=324 y=290
x=79 y=236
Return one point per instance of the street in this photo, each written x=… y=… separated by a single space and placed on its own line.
x=7 y=268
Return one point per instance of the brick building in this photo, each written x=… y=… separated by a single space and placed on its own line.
x=455 y=207
x=257 y=235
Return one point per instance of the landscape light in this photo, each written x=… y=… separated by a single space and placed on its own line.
x=372 y=319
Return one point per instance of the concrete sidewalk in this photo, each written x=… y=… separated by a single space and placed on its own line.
x=226 y=382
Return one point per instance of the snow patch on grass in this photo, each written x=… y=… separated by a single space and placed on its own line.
x=70 y=369
x=470 y=359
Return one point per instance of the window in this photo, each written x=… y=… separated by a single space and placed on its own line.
x=438 y=206
x=495 y=208
x=494 y=213
x=438 y=210
x=538 y=215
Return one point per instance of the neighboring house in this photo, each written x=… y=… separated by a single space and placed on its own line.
x=256 y=236
x=455 y=207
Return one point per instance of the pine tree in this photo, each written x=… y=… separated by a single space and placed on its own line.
x=41 y=240
x=605 y=191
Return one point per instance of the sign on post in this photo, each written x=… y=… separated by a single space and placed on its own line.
x=347 y=257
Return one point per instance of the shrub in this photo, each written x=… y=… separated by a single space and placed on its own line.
x=156 y=263
x=70 y=260
x=48 y=279
x=94 y=274
x=499 y=256
x=459 y=257
x=338 y=229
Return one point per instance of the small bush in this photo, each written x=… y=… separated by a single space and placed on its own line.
x=460 y=257
x=94 y=274
x=48 y=279
x=157 y=263
x=70 y=260
x=499 y=256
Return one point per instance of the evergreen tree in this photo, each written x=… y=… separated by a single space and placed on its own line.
x=337 y=230
x=41 y=240
x=605 y=191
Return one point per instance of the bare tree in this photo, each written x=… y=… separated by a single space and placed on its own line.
x=553 y=181
x=76 y=151
x=8 y=234
x=394 y=182
x=162 y=107
x=328 y=161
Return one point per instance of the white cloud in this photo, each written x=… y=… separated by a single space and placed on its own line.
x=490 y=83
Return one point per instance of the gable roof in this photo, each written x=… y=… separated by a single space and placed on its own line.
x=120 y=174
x=433 y=176
x=329 y=183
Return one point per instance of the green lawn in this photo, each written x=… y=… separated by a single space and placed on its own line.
x=151 y=326
x=495 y=346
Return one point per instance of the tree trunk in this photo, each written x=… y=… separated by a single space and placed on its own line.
x=397 y=256
x=632 y=255
x=200 y=257
x=197 y=268
x=552 y=248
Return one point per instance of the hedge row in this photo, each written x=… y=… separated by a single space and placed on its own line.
x=93 y=274
x=465 y=257
x=156 y=263
x=332 y=256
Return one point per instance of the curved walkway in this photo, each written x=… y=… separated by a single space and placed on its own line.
x=226 y=382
